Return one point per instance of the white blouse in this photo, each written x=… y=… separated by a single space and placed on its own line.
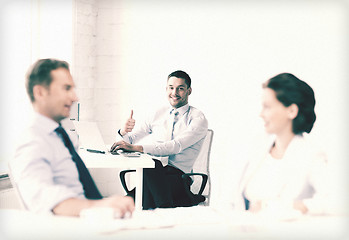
x=300 y=175
x=268 y=180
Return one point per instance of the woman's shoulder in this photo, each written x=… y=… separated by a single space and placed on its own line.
x=309 y=147
x=308 y=142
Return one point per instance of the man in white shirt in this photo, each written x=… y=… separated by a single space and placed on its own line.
x=179 y=132
x=48 y=172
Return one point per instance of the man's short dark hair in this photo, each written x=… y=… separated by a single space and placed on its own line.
x=40 y=74
x=181 y=74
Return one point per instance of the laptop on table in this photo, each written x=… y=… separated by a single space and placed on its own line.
x=90 y=138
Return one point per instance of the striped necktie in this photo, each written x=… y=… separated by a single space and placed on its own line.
x=90 y=188
x=174 y=114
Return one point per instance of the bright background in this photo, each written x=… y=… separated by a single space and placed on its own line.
x=122 y=51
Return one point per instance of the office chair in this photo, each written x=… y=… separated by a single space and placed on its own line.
x=198 y=179
x=200 y=175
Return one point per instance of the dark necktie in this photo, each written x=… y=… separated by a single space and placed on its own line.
x=174 y=119
x=90 y=188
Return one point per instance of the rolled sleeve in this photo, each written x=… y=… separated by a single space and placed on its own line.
x=194 y=132
x=42 y=180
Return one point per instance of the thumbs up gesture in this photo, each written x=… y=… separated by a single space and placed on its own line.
x=129 y=125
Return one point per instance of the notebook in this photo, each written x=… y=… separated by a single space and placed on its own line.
x=90 y=137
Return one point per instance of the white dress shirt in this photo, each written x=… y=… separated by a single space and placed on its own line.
x=43 y=168
x=188 y=136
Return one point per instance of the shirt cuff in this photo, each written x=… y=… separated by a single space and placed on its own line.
x=147 y=149
x=119 y=132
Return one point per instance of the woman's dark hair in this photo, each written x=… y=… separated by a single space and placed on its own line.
x=291 y=90
x=40 y=74
x=182 y=75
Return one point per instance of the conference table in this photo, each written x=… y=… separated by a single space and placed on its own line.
x=198 y=222
x=107 y=160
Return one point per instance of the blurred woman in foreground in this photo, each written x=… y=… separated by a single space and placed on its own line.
x=291 y=175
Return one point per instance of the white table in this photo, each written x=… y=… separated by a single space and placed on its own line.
x=188 y=223
x=98 y=160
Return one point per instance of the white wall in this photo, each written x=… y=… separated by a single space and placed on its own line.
x=84 y=65
x=228 y=48
x=14 y=61
x=29 y=30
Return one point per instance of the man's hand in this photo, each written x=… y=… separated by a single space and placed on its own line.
x=122 y=145
x=129 y=125
x=73 y=206
x=122 y=205
x=299 y=205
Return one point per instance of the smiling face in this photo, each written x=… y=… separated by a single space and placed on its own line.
x=177 y=92
x=56 y=100
x=277 y=118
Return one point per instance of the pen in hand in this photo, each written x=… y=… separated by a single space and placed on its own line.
x=95 y=151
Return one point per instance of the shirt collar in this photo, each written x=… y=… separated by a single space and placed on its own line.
x=180 y=110
x=46 y=124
